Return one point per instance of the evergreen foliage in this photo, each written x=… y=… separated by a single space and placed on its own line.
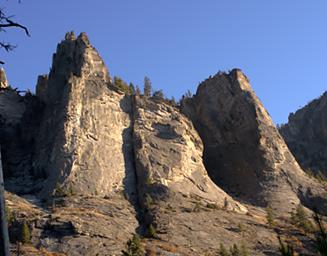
x=285 y=250
x=134 y=247
x=137 y=90
x=321 y=236
x=147 y=87
x=121 y=85
x=270 y=217
x=301 y=219
x=158 y=94
x=152 y=233
x=234 y=250
x=25 y=234
x=131 y=89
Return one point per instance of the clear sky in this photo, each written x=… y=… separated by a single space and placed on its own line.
x=281 y=45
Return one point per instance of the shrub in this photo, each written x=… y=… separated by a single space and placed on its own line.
x=152 y=233
x=134 y=247
x=270 y=217
x=197 y=207
x=222 y=251
x=321 y=236
x=212 y=206
x=301 y=219
x=9 y=215
x=285 y=250
x=121 y=85
x=234 y=250
x=25 y=235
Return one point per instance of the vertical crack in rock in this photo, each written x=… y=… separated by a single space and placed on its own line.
x=168 y=158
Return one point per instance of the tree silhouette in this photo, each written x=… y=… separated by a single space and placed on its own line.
x=7 y=22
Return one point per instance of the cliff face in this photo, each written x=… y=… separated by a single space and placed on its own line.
x=84 y=143
x=94 y=165
x=243 y=151
x=306 y=135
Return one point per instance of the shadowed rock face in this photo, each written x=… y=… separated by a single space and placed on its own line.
x=168 y=155
x=243 y=151
x=306 y=135
x=84 y=143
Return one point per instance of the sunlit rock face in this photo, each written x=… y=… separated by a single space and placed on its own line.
x=84 y=143
x=168 y=155
x=243 y=150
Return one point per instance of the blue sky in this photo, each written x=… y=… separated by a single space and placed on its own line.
x=280 y=45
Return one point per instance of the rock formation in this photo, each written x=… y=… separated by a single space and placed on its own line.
x=84 y=143
x=306 y=135
x=91 y=165
x=243 y=151
x=3 y=79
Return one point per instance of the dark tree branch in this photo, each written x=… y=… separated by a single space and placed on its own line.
x=11 y=23
x=7 y=22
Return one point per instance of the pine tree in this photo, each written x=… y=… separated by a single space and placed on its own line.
x=147 y=87
x=131 y=89
x=173 y=101
x=134 y=247
x=137 y=91
x=158 y=94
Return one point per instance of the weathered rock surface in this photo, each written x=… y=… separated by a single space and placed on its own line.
x=76 y=225
x=243 y=151
x=84 y=143
x=168 y=155
x=306 y=135
x=93 y=165
x=3 y=79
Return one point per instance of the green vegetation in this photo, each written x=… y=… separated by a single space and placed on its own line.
x=285 y=250
x=62 y=191
x=212 y=206
x=25 y=235
x=321 y=236
x=318 y=175
x=234 y=250
x=134 y=247
x=9 y=215
x=131 y=89
x=121 y=85
x=147 y=87
x=152 y=233
x=270 y=217
x=223 y=251
x=158 y=94
x=197 y=207
x=301 y=219
x=148 y=201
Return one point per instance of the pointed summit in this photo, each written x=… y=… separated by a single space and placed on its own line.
x=74 y=57
x=3 y=79
x=243 y=151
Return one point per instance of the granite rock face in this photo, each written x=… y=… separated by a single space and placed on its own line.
x=84 y=143
x=3 y=79
x=91 y=165
x=243 y=150
x=168 y=155
x=306 y=135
